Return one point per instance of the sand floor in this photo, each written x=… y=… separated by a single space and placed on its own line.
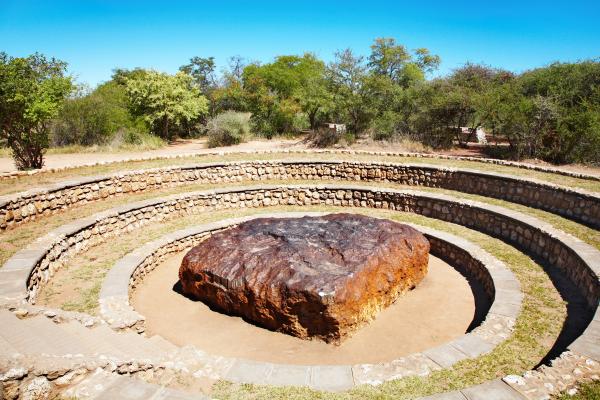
x=437 y=311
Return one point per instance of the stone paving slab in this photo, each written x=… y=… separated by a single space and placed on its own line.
x=472 y=345
x=128 y=389
x=445 y=355
x=492 y=390
x=333 y=378
x=445 y=396
x=412 y=365
x=246 y=371
x=505 y=309
x=587 y=346
x=290 y=375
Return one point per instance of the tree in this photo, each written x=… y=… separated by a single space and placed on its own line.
x=394 y=61
x=552 y=113
x=572 y=90
x=202 y=71
x=236 y=68
x=165 y=101
x=347 y=75
x=287 y=94
x=32 y=92
x=92 y=118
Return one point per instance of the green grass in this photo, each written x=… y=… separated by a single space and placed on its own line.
x=43 y=179
x=587 y=391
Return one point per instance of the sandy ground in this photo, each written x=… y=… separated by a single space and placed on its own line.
x=198 y=146
x=192 y=146
x=437 y=311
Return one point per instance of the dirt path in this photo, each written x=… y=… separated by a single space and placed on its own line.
x=181 y=147
x=437 y=311
x=198 y=146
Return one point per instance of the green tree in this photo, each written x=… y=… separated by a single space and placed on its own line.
x=282 y=94
x=93 y=118
x=202 y=70
x=552 y=113
x=393 y=60
x=165 y=101
x=32 y=92
x=571 y=93
x=347 y=75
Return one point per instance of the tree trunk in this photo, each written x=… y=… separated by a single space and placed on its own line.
x=166 y=128
x=312 y=116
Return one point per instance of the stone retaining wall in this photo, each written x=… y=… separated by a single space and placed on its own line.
x=468 y=258
x=476 y=265
x=577 y=205
x=576 y=259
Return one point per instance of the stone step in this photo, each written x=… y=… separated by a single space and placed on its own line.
x=61 y=342
x=94 y=338
x=162 y=344
x=105 y=386
x=118 y=345
x=6 y=349
x=21 y=339
x=131 y=345
x=92 y=386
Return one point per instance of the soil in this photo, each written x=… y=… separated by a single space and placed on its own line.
x=198 y=146
x=439 y=310
x=179 y=147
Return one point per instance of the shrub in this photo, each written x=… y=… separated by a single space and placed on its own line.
x=385 y=127
x=126 y=139
x=93 y=119
x=228 y=128
x=328 y=137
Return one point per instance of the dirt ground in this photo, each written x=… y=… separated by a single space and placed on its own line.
x=180 y=147
x=437 y=311
x=198 y=146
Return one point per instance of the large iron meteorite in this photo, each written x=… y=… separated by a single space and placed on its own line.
x=311 y=277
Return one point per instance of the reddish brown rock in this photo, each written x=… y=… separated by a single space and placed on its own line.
x=309 y=277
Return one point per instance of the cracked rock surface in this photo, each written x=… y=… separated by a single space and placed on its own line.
x=311 y=277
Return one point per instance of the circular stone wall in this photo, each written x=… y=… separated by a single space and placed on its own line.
x=28 y=269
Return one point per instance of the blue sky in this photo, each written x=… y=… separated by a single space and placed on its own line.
x=94 y=37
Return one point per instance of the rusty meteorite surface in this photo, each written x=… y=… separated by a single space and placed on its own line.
x=311 y=277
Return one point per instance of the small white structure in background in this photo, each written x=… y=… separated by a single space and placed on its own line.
x=480 y=134
x=337 y=128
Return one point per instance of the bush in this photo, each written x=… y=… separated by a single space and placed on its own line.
x=228 y=128
x=329 y=137
x=126 y=139
x=385 y=127
x=94 y=118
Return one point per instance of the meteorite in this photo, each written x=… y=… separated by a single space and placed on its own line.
x=311 y=277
